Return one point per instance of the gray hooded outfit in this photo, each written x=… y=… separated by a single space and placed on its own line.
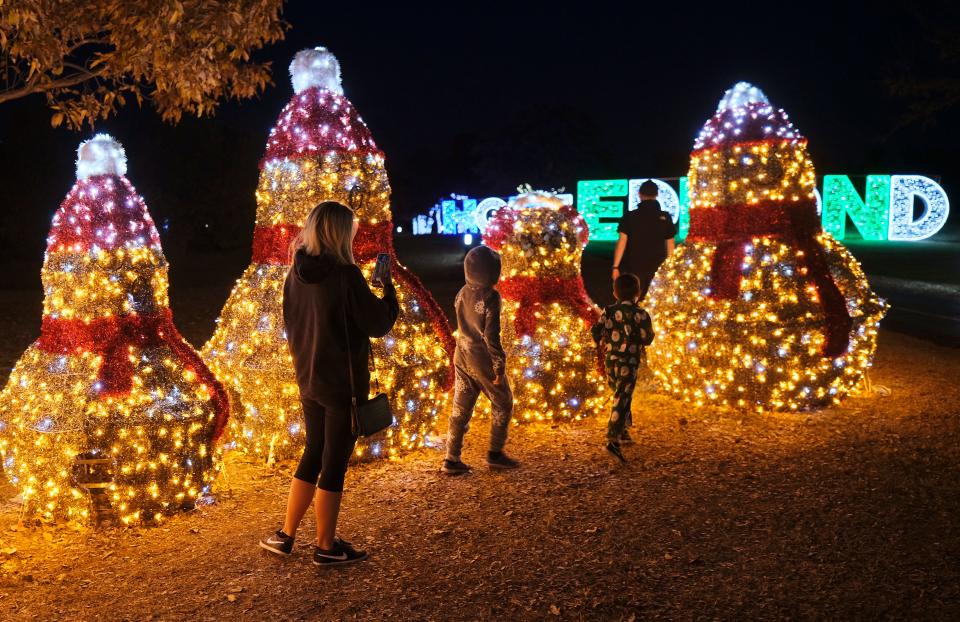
x=479 y=357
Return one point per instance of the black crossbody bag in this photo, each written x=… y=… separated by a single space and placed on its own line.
x=371 y=416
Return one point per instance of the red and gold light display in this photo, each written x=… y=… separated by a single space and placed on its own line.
x=759 y=309
x=319 y=150
x=110 y=400
x=546 y=317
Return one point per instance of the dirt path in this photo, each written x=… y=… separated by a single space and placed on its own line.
x=846 y=514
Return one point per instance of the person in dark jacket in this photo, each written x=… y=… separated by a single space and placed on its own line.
x=479 y=362
x=323 y=282
x=646 y=238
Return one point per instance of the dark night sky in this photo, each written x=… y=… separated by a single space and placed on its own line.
x=478 y=98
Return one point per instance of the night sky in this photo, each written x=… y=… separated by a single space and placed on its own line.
x=477 y=98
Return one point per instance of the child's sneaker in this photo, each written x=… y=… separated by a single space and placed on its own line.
x=625 y=438
x=614 y=450
x=454 y=467
x=278 y=543
x=499 y=461
x=341 y=554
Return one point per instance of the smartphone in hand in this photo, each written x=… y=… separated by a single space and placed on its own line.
x=381 y=270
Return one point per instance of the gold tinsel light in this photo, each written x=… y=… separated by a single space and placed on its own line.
x=319 y=150
x=759 y=309
x=110 y=407
x=546 y=316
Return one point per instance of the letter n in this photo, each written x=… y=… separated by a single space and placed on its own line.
x=841 y=199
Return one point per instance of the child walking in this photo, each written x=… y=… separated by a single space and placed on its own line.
x=479 y=362
x=623 y=330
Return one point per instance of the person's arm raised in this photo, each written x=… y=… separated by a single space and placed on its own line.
x=372 y=315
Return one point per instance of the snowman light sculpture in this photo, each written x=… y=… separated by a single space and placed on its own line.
x=110 y=411
x=760 y=308
x=321 y=150
x=546 y=317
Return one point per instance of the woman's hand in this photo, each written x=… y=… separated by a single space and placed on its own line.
x=616 y=273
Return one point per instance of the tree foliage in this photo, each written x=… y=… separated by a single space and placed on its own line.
x=89 y=57
x=928 y=79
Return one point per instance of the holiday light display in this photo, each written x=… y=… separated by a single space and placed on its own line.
x=760 y=308
x=870 y=215
x=906 y=188
x=546 y=316
x=319 y=150
x=602 y=203
x=110 y=409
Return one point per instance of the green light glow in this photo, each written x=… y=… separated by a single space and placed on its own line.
x=683 y=222
x=593 y=203
x=869 y=216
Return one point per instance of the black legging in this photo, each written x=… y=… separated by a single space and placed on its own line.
x=329 y=444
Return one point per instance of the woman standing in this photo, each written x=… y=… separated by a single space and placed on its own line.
x=322 y=281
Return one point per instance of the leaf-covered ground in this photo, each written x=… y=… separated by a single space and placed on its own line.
x=852 y=513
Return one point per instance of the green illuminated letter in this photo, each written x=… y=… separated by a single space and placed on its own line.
x=870 y=217
x=683 y=222
x=600 y=213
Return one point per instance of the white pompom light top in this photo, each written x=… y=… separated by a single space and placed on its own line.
x=316 y=67
x=537 y=199
x=101 y=155
x=742 y=94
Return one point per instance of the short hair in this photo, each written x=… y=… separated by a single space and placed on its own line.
x=626 y=287
x=649 y=188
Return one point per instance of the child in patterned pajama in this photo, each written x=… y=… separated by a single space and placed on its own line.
x=479 y=362
x=623 y=330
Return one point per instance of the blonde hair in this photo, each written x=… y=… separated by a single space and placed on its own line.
x=328 y=229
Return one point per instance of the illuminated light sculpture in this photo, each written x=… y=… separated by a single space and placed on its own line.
x=320 y=149
x=110 y=407
x=546 y=317
x=760 y=309
x=870 y=215
x=903 y=190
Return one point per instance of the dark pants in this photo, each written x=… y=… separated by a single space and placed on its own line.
x=644 y=273
x=329 y=444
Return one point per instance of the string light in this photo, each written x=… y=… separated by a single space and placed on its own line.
x=546 y=316
x=110 y=401
x=320 y=149
x=904 y=190
x=760 y=309
x=870 y=215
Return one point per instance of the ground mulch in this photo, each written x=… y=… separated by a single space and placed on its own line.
x=846 y=514
x=850 y=513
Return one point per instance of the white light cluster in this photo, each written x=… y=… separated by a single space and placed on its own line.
x=485 y=209
x=903 y=190
x=316 y=67
x=101 y=155
x=744 y=103
x=538 y=198
x=741 y=95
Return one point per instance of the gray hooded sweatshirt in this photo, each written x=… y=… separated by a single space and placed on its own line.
x=478 y=312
